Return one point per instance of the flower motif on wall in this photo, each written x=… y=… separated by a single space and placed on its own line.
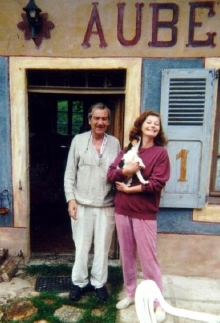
x=44 y=31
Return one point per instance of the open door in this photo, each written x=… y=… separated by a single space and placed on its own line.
x=54 y=119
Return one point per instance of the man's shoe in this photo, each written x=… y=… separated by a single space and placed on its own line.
x=76 y=293
x=102 y=293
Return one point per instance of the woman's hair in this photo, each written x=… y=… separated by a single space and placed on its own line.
x=136 y=133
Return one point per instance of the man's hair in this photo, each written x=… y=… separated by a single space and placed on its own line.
x=100 y=106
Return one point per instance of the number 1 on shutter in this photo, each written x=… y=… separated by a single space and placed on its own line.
x=183 y=164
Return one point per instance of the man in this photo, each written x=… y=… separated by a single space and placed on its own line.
x=90 y=201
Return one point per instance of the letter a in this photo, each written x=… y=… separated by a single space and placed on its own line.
x=94 y=19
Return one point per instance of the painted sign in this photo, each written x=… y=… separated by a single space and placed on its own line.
x=111 y=28
x=95 y=28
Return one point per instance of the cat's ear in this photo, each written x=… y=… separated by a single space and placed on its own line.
x=134 y=142
x=130 y=145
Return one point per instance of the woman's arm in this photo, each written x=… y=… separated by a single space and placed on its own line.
x=128 y=189
x=159 y=174
x=116 y=174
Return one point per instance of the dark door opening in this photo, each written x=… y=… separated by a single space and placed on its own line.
x=51 y=133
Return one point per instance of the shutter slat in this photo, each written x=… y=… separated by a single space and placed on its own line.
x=186 y=101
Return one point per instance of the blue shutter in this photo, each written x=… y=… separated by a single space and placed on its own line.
x=5 y=148
x=187 y=110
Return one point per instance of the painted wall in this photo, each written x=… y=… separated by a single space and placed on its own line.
x=171 y=220
x=142 y=37
x=110 y=28
x=151 y=82
x=5 y=147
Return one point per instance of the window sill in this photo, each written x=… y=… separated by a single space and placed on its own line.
x=213 y=200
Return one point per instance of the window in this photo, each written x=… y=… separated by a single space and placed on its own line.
x=69 y=117
x=106 y=79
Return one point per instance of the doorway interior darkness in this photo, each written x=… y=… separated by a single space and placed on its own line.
x=54 y=119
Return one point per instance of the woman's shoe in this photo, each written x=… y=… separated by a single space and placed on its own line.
x=124 y=303
x=160 y=315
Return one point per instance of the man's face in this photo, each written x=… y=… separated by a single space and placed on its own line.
x=99 y=121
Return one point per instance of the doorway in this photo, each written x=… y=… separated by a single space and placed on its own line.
x=54 y=119
x=20 y=88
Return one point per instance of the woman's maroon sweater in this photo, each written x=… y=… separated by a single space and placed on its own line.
x=143 y=205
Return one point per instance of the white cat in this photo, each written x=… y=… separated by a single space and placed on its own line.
x=132 y=156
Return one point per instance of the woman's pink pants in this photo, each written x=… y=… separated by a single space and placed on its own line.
x=138 y=237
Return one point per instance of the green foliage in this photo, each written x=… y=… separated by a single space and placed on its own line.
x=69 y=116
x=48 y=270
x=77 y=116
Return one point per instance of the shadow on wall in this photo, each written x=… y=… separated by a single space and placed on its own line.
x=5 y=205
x=173 y=220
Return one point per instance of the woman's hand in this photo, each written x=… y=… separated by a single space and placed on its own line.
x=122 y=187
x=131 y=168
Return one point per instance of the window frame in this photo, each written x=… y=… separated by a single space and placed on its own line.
x=70 y=116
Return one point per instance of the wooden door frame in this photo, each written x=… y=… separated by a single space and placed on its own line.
x=19 y=123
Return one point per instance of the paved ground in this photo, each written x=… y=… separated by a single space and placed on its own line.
x=198 y=294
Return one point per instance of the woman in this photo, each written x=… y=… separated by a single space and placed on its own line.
x=136 y=206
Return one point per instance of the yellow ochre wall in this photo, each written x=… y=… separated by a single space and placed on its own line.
x=71 y=19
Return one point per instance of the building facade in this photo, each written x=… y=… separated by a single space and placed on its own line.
x=135 y=56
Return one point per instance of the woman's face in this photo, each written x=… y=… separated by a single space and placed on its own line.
x=151 y=126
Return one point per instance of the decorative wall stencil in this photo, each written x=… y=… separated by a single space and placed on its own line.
x=46 y=26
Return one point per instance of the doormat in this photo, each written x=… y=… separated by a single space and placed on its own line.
x=53 y=284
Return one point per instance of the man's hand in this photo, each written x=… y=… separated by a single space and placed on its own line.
x=72 y=209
